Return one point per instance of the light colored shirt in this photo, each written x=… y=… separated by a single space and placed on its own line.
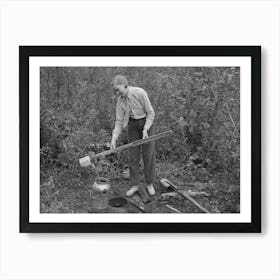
x=136 y=105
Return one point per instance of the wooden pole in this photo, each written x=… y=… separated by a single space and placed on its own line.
x=130 y=145
x=176 y=189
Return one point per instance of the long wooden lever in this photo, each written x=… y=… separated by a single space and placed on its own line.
x=86 y=161
x=132 y=144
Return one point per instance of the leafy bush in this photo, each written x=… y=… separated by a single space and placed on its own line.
x=199 y=104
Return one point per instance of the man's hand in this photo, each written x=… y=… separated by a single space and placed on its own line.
x=145 y=134
x=113 y=144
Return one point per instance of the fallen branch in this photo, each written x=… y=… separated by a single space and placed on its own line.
x=173 y=209
x=186 y=196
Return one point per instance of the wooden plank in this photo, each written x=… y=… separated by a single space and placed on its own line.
x=130 y=145
x=135 y=202
x=144 y=196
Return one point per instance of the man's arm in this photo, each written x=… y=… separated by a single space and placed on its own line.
x=148 y=108
x=118 y=123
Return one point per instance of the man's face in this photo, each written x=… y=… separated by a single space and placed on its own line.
x=120 y=90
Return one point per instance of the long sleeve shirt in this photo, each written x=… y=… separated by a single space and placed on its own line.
x=136 y=105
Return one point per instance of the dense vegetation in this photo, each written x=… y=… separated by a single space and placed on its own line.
x=199 y=104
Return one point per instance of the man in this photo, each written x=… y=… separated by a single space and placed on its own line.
x=134 y=110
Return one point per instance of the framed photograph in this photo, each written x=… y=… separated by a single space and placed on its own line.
x=140 y=139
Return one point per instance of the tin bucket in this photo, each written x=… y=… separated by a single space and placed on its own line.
x=100 y=200
x=101 y=184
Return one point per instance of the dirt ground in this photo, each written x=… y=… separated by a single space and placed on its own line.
x=74 y=195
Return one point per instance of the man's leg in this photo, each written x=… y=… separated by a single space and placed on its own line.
x=133 y=154
x=149 y=159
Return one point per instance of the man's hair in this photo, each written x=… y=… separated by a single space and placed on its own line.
x=120 y=80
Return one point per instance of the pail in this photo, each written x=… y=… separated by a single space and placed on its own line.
x=100 y=200
x=101 y=184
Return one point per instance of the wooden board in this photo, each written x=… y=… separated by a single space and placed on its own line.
x=144 y=196
x=135 y=201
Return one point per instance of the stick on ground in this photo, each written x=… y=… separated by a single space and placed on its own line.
x=186 y=196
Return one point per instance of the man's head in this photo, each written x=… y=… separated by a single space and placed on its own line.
x=120 y=85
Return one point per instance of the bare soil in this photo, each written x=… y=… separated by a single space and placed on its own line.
x=62 y=192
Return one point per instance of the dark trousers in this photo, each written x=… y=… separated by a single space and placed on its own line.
x=135 y=128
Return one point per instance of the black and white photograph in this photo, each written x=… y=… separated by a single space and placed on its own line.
x=155 y=131
x=140 y=140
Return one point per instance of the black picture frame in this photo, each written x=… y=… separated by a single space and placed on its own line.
x=254 y=52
